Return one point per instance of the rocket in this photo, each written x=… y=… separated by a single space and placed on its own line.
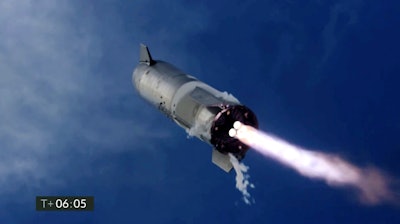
x=204 y=112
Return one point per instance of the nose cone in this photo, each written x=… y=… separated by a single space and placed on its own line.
x=145 y=60
x=137 y=74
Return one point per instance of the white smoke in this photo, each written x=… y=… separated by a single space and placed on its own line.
x=242 y=179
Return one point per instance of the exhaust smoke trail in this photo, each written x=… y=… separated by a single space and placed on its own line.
x=242 y=179
x=371 y=184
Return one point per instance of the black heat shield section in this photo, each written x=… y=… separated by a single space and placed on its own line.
x=223 y=122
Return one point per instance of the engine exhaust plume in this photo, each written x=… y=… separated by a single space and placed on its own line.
x=372 y=185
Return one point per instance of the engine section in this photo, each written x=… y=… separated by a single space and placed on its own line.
x=223 y=122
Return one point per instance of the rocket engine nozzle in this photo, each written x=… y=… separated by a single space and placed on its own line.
x=223 y=123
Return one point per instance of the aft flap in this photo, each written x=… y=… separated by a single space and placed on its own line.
x=221 y=160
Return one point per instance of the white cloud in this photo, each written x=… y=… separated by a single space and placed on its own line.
x=51 y=91
x=44 y=59
x=334 y=30
x=48 y=55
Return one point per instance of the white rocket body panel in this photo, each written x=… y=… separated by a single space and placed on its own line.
x=158 y=83
x=181 y=97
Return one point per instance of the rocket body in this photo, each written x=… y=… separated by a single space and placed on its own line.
x=201 y=110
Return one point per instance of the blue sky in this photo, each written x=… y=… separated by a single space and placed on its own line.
x=320 y=74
